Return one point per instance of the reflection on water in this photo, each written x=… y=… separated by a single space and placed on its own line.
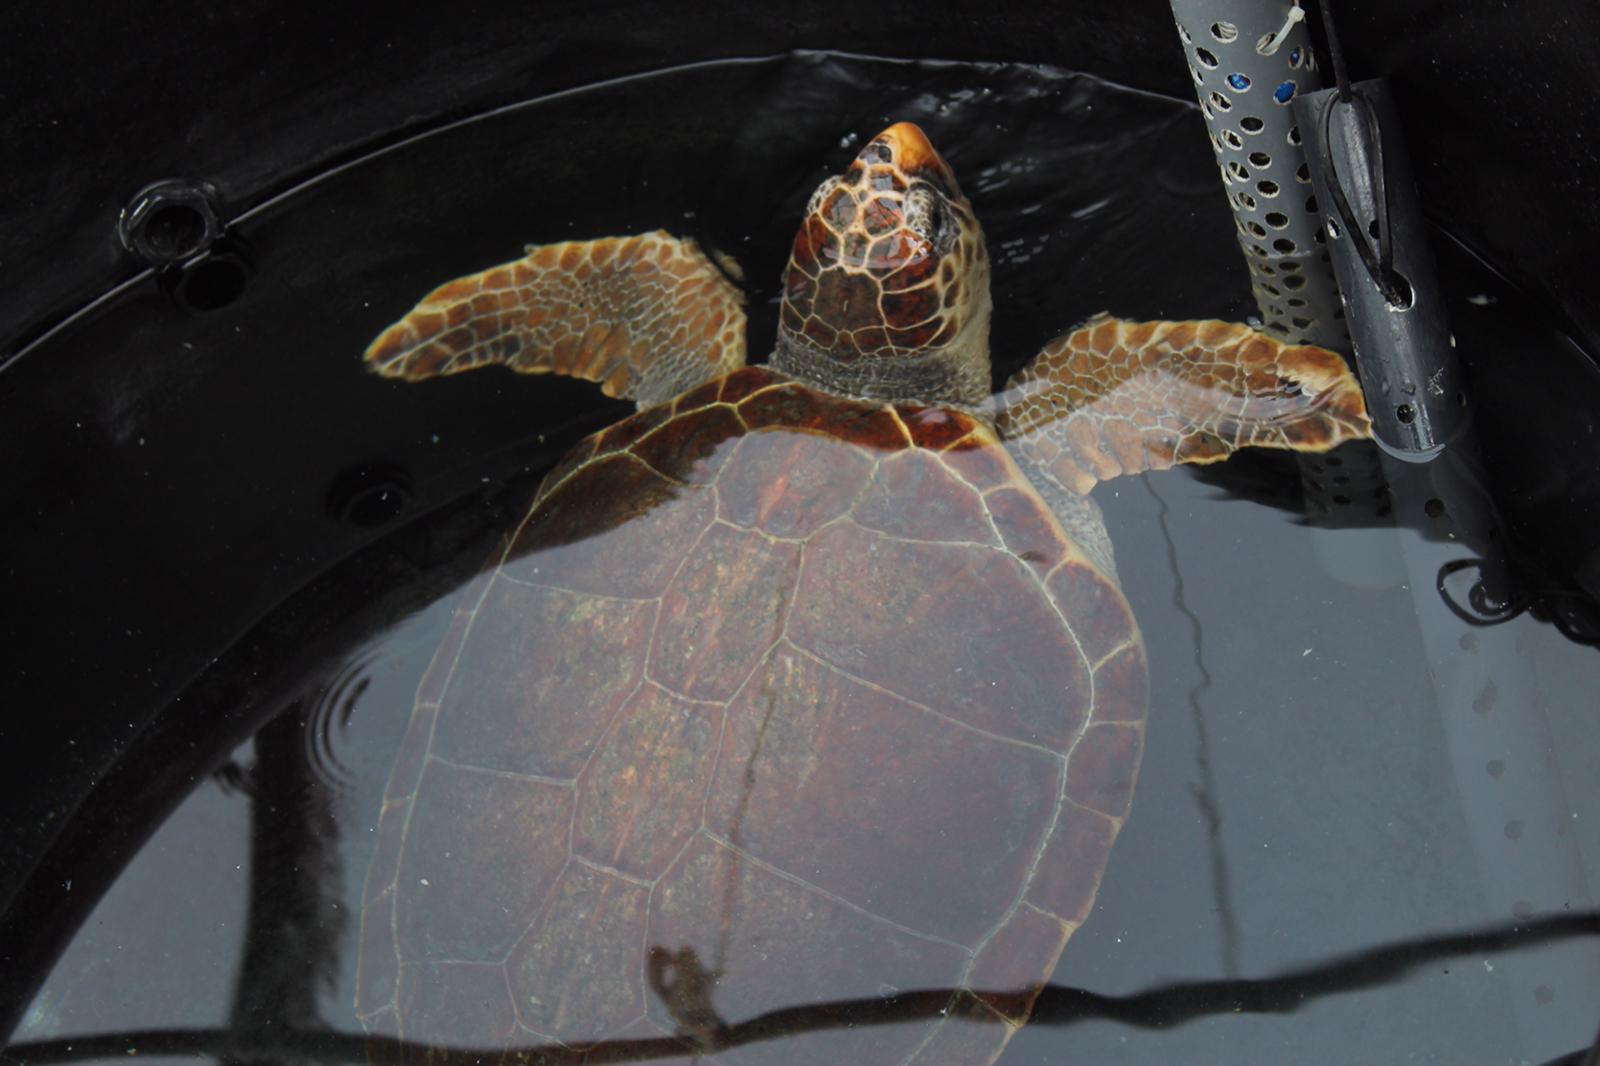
x=1299 y=799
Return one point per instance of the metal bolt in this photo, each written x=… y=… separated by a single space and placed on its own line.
x=169 y=221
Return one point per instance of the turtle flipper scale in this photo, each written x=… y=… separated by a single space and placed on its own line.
x=1116 y=397
x=646 y=316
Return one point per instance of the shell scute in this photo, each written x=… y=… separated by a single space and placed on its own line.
x=578 y=970
x=914 y=496
x=691 y=447
x=817 y=479
x=1018 y=675
x=605 y=530
x=805 y=787
x=639 y=798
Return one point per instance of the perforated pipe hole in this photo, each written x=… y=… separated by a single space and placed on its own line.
x=1301 y=323
x=1237 y=170
x=1302 y=174
x=1183 y=34
x=1294 y=136
x=1246 y=201
x=1251 y=124
x=1291 y=267
x=1199 y=79
x=1225 y=32
x=1267 y=188
x=1206 y=59
x=1284 y=245
x=1404 y=296
x=1256 y=229
x=1258 y=251
x=1266 y=269
x=1220 y=102
x=1277 y=220
x=1271 y=290
x=1260 y=159
x=1333 y=228
x=1239 y=83
x=1311 y=204
x=1284 y=92
x=1294 y=281
x=1232 y=140
x=1295 y=301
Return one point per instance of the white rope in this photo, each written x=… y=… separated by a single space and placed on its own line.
x=1270 y=43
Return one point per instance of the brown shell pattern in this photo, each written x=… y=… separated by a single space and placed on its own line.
x=813 y=692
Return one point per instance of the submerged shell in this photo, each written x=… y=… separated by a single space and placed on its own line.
x=814 y=688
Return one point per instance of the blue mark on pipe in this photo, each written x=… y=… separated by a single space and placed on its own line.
x=1238 y=82
x=1285 y=92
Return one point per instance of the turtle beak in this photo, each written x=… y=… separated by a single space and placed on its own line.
x=909 y=149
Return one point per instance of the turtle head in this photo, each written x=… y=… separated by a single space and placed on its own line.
x=886 y=295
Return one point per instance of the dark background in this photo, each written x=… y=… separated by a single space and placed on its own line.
x=98 y=99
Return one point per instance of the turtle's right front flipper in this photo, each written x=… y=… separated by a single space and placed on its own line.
x=647 y=317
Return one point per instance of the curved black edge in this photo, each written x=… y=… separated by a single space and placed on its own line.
x=305 y=638
x=258 y=97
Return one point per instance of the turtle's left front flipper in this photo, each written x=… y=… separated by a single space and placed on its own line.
x=1115 y=397
x=647 y=316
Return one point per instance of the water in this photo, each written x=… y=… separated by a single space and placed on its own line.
x=1305 y=802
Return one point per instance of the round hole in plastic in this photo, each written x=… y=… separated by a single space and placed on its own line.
x=213 y=283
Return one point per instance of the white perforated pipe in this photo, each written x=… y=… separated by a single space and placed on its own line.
x=1249 y=59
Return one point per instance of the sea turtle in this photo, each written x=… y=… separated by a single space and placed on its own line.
x=808 y=682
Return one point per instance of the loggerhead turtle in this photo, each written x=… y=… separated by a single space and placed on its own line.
x=809 y=681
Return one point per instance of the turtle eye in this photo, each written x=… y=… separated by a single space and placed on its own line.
x=927 y=216
x=814 y=204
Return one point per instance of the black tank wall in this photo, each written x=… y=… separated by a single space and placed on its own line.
x=97 y=99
